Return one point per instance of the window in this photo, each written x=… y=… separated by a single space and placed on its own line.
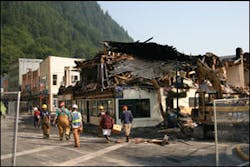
x=93 y=107
x=140 y=108
x=74 y=78
x=54 y=79
x=108 y=105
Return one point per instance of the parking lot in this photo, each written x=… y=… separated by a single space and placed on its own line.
x=33 y=150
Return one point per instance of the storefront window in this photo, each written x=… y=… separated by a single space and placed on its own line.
x=108 y=105
x=93 y=107
x=140 y=108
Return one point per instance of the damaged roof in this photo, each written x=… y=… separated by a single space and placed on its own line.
x=149 y=51
x=137 y=63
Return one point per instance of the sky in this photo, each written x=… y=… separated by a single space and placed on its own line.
x=192 y=27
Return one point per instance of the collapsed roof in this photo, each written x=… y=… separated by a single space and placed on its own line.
x=138 y=63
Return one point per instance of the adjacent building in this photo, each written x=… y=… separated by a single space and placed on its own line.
x=55 y=72
x=17 y=69
x=237 y=69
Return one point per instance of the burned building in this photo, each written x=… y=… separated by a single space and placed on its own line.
x=146 y=77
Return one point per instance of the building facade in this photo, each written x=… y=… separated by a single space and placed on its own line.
x=55 y=72
x=18 y=68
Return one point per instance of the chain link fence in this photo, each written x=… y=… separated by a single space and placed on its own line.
x=231 y=118
x=10 y=103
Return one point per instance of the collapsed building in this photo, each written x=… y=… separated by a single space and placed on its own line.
x=149 y=78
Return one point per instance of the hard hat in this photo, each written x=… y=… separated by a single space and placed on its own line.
x=35 y=108
x=62 y=104
x=101 y=108
x=44 y=106
x=75 y=106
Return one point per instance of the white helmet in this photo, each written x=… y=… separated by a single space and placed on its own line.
x=35 y=108
x=75 y=106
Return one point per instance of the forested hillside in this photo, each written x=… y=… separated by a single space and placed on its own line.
x=58 y=28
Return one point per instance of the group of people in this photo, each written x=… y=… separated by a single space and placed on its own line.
x=68 y=121
x=107 y=122
x=64 y=119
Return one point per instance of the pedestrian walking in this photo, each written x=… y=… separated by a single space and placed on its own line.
x=45 y=116
x=126 y=119
x=76 y=124
x=106 y=123
x=36 y=117
x=101 y=112
x=63 y=121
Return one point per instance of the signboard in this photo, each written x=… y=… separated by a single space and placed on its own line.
x=118 y=92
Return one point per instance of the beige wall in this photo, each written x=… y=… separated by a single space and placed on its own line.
x=155 y=115
x=54 y=65
x=235 y=75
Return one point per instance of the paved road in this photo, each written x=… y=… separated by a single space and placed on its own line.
x=32 y=150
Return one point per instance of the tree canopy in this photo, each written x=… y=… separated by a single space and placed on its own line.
x=37 y=29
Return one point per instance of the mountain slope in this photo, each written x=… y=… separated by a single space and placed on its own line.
x=59 y=28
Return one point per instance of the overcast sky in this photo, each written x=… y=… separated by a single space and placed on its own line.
x=192 y=27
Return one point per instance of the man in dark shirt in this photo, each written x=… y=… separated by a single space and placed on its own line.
x=126 y=119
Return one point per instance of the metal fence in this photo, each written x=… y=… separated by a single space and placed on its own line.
x=231 y=123
x=9 y=127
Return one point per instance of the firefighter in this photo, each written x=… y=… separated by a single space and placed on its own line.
x=76 y=122
x=45 y=120
x=63 y=121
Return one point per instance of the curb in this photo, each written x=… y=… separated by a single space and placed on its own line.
x=241 y=154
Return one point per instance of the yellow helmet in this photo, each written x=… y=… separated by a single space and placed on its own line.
x=101 y=108
x=44 y=106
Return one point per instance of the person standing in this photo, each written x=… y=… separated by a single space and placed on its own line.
x=36 y=117
x=45 y=120
x=63 y=123
x=100 y=114
x=126 y=119
x=76 y=124
x=106 y=123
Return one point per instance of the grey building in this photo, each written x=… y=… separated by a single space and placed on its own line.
x=18 y=68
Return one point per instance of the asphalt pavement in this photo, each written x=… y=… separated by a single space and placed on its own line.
x=33 y=150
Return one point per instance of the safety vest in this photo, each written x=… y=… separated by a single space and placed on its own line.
x=76 y=120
